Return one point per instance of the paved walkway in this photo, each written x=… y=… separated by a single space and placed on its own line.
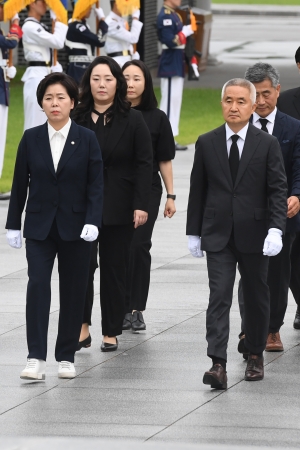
x=151 y=389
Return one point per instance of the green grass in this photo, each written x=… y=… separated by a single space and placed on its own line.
x=201 y=112
x=260 y=2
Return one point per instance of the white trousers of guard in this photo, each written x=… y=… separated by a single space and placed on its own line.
x=171 y=99
x=3 y=126
x=33 y=113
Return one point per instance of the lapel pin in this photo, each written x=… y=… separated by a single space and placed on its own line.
x=72 y=142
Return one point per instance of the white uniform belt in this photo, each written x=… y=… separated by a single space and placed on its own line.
x=3 y=62
x=79 y=45
x=179 y=47
x=81 y=58
x=37 y=49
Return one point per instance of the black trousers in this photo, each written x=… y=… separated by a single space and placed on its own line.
x=295 y=269
x=138 y=274
x=221 y=272
x=279 y=273
x=113 y=243
x=73 y=265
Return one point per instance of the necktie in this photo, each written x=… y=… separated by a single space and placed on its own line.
x=264 y=124
x=234 y=157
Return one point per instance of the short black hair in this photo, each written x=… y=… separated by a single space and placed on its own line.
x=58 y=78
x=148 y=100
x=297 y=55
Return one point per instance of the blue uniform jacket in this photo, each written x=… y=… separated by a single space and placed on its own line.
x=5 y=45
x=171 y=63
x=79 y=32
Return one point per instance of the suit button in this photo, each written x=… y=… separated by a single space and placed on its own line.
x=234 y=195
x=54 y=203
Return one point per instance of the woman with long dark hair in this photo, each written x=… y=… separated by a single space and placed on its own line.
x=126 y=148
x=142 y=97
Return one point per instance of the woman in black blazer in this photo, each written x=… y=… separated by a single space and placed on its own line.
x=59 y=166
x=141 y=95
x=126 y=148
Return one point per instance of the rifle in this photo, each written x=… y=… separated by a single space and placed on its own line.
x=190 y=50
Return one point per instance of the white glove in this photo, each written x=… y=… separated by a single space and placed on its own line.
x=99 y=13
x=52 y=14
x=136 y=14
x=16 y=17
x=56 y=68
x=136 y=55
x=273 y=242
x=187 y=30
x=194 y=245
x=11 y=72
x=89 y=233
x=14 y=238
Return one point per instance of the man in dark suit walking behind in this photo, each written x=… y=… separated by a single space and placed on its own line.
x=289 y=103
x=237 y=214
x=287 y=130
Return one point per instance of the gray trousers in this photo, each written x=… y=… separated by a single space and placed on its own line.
x=221 y=272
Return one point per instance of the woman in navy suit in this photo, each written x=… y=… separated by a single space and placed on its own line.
x=59 y=167
x=126 y=148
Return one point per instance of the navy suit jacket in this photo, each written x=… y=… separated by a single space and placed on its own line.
x=287 y=131
x=73 y=195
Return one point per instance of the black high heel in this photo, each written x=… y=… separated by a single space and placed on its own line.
x=106 y=347
x=86 y=343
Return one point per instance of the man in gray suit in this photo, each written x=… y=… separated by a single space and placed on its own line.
x=237 y=214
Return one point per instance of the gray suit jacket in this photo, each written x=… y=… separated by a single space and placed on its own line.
x=254 y=204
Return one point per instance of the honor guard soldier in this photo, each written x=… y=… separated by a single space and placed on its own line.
x=172 y=34
x=37 y=43
x=81 y=42
x=6 y=74
x=119 y=42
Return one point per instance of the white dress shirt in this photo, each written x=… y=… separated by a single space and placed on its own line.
x=57 y=141
x=270 y=118
x=240 y=142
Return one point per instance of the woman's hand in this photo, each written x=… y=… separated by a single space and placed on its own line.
x=170 y=209
x=139 y=217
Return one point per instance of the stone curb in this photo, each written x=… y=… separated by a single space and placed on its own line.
x=255 y=10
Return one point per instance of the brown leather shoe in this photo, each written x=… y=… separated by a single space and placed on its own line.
x=255 y=368
x=274 y=343
x=216 y=377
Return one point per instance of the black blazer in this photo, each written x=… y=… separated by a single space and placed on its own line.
x=287 y=131
x=289 y=102
x=73 y=195
x=127 y=158
x=254 y=204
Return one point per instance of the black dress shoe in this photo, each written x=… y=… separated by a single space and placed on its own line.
x=179 y=147
x=297 y=319
x=242 y=348
x=106 y=347
x=127 y=322
x=216 y=377
x=137 y=321
x=86 y=343
x=255 y=368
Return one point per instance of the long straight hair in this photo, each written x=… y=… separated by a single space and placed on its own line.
x=86 y=101
x=148 y=100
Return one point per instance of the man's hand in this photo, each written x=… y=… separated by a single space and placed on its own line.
x=139 y=217
x=187 y=30
x=99 y=13
x=170 y=209
x=56 y=68
x=11 y=72
x=14 y=238
x=293 y=206
x=52 y=15
x=273 y=242
x=89 y=233
x=136 y=14
x=194 y=246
